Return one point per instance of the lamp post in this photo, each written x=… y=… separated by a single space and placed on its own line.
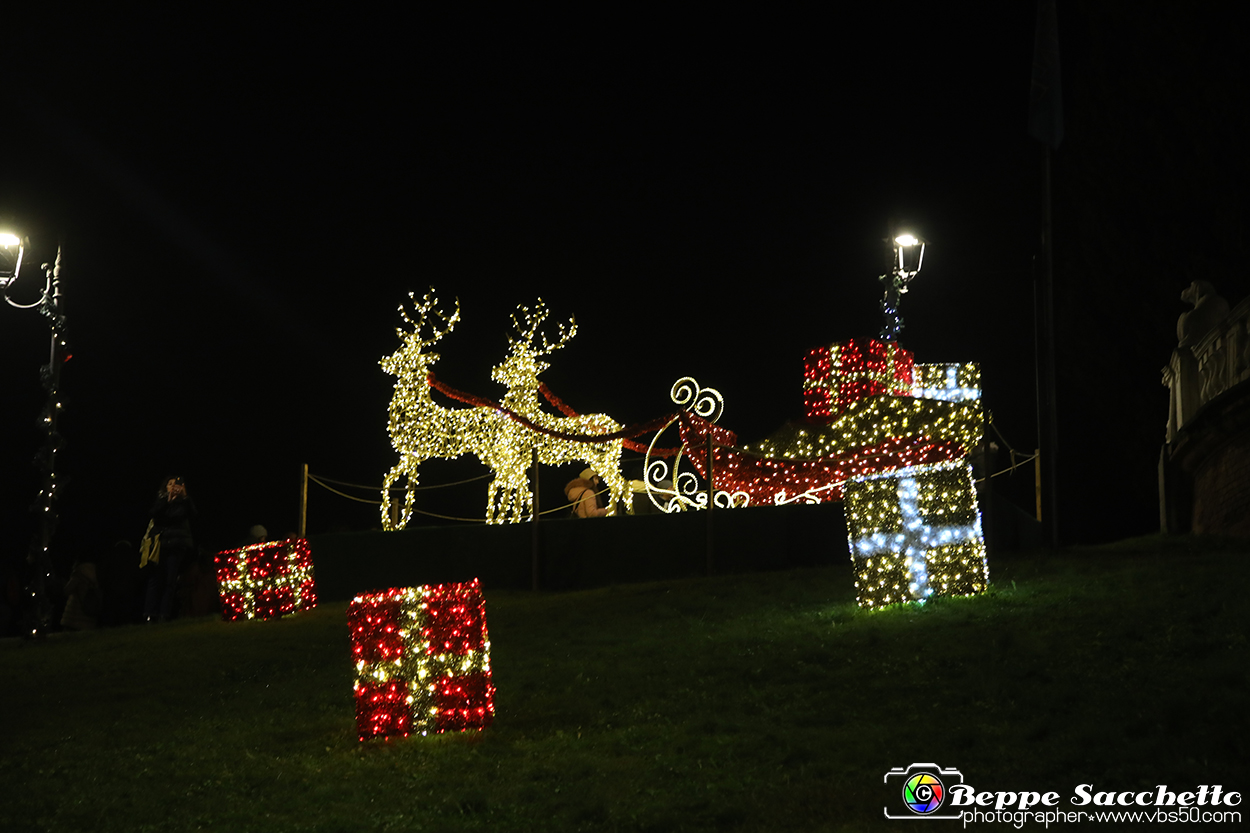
x=904 y=266
x=39 y=563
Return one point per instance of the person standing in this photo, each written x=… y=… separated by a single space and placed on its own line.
x=171 y=520
x=585 y=494
x=82 y=598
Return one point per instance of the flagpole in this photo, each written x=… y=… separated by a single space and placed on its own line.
x=1047 y=412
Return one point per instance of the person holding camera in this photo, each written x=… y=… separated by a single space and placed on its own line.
x=171 y=520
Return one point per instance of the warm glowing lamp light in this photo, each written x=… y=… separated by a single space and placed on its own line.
x=10 y=268
x=909 y=250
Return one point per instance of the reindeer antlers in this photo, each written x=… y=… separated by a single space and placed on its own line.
x=420 y=311
x=533 y=320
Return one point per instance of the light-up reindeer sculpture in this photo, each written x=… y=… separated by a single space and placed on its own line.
x=419 y=429
x=511 y=453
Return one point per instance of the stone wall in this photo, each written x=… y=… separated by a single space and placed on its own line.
x=1204 y=470
x=1222 y=490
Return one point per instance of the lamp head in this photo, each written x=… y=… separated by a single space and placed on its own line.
x=908 y=256
x=11 y=251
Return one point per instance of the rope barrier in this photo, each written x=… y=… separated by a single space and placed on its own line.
x=324 y=480
x=1009 y=469
x=324 y=484
x=1015 y=464
x=328 y=488
x=402 y=488
x=627 y=433
x=449 y=517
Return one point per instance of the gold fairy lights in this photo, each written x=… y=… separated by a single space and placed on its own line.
x=420 y=429
x=873 y=420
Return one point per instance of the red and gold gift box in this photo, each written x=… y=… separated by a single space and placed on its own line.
x=847 y=371
x=422 y=659
x=267 y=580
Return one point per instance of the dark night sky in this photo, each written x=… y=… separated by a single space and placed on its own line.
x=244 y=205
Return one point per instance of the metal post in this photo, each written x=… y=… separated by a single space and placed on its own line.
x=534 y=525
x=711 y=499
x=1046 y=125
x=39 y=560
x=1037 y=481
x=1047 y=416
x=303 y=504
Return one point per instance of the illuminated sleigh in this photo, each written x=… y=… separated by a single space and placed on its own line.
x=886 y=436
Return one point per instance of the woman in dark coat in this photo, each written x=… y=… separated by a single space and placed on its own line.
x=171 y=519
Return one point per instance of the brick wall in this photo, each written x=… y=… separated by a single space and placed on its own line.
x=1222 y=490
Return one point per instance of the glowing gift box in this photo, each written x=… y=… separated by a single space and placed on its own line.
x=848 y=371
x=263 y=581
x=915 y=533
x=422 y=660
x=948 y=382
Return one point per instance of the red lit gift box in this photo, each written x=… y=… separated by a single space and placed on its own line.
x=263 y=581
x=422 y=659
x=847 y=371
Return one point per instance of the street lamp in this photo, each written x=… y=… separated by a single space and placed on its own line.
x=12 y=251
x=904 y=266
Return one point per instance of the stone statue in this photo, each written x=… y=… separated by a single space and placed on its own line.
x=1181 y=375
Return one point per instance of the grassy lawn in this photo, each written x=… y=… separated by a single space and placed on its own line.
x=750 y=702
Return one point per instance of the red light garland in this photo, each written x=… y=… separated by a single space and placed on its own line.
x=422 y=660
x=267 y=580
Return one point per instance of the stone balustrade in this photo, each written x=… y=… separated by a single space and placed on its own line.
x=1223 y=354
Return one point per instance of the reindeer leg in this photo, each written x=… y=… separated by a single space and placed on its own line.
x=616 y=486
x=401 y=469
x=494 y=499
x=511 y=504
x=523 y=503
x=620 y=490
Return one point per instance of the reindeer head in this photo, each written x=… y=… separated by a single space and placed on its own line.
x=521 y=367
x=412 y=359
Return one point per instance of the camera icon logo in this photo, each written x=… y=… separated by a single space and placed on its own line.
x=923 y=788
